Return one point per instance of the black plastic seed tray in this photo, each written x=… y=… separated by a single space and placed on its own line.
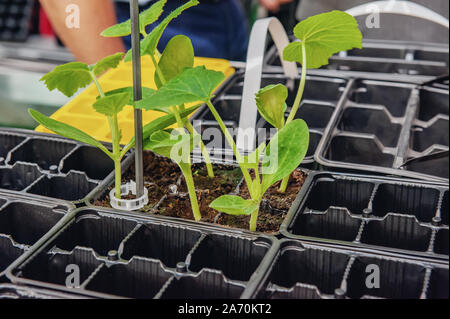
x=23 y=222
x=389 y=128
x=386 y=57
x=120 y=255
x=15 y=19
x=320 y=100
x=369 y=212
x=47 y=166
x=306 y=271
x=9 y=291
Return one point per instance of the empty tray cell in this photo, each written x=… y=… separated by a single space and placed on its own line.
x=431 y=56
x=426 y=137
x=437 y=166
x=418 y=201
x=140 y=279
x=394 y=98
x=317 y=267
x=397 y=279
x=358 y=150
x=27 y=223
x=170 y=244
x=315 y=115
x=92 y=161
x=19 y=177
x=444 y=209
x=206 y=285
x=228 y=108
x=371 y=121
x=432 y=103
x=236 y=257
x=73 y=187
x=314 y=140
x=102 y=233
x=335 y=223
x=378 y=53
x=441 y=242
x=8 y=252
x=44 y=152
x=8 y=142
x=397 y=231
x=347 y=193
x=438 y=288
x=55 y=268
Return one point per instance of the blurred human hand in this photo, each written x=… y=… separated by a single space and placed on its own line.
x=273 y=5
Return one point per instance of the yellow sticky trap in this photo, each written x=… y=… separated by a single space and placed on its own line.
x=80 y=113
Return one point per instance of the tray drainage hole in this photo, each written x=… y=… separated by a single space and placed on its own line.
x=128 y=204
x=113 y=255
x=340 y=293
x=436 y=221
x=53 y=169
x=181 y=267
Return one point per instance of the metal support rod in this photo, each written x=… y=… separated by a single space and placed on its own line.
x=137 y=92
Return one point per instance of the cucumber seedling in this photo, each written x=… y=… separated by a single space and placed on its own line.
x=71 y=77
x=319 y=37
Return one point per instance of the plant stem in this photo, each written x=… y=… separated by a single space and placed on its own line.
x=298 y=99
x=191 y=190
x=253 y=220
x=230 y=140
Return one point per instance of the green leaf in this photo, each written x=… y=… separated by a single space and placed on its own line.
x=324 y=35
x=271 y=103
x=178 y=54
x=285 y=152
x=191 y=85
x=110 y=62
x=68 y=78
x=146 y=18
x=146 y=93
x=234 y=205
x=175 y=145
x=112 y=104
x=66 y=130
x=150 y=43
x=163 y=122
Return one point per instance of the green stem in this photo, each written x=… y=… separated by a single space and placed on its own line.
x=230 y=140
x=253 y=220
x=203 y=148
x=158 y=70
x=298 y=99
x=192 y=194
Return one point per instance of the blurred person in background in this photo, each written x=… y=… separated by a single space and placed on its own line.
x=218 y=28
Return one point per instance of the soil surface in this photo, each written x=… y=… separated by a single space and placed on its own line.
x=168 y=193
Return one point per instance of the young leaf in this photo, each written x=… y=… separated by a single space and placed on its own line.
x=68 y=78
x=175 y=145
x=191 y=85
x=271 y=103
x=112 y=104
x=234 y=205
x=146 y=18
x=285 y=152
x=110 y=62
x=178 y=54
x=149 y=44
x=324 y=35
x=65 y=130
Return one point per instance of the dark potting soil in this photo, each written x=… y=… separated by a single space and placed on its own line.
x=274 y=206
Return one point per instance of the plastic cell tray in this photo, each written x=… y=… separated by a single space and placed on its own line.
x=386 y=58
x=368 y=212
x=9 y=291
x=321 y=97
x=301 y=270
x=381 y=126
x=47 y=166
x=15 y=18
x=122 y=256
x=22 y=223
x=80 y=113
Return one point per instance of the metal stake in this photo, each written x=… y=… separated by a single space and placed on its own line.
x=137 y=92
